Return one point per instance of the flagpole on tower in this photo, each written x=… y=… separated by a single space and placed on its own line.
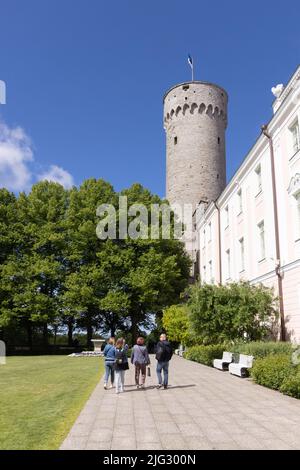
x=193 y=72
x=191 y=63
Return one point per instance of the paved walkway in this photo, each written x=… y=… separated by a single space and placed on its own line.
x=203 y=409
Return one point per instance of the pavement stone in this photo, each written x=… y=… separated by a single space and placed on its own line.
x=202 y=409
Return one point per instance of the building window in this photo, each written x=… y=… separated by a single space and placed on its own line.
x=298 y=214
x=228 y=267
x=209 y=232
x=294 y=129
x=204 y=273
x=240 y=201
x=242 y=254
x=204 y=238
x=226 y=216
x=261 y=234
x=210 y=271
x=258 y=179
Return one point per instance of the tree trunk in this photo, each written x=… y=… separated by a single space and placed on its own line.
x=89 y=331
x=70 y=331
x=29 y=334
x=55 y=334
x=45 y=334
x=112 y=331
x=134 y=328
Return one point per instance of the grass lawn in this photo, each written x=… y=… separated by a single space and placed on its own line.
x=41 y=397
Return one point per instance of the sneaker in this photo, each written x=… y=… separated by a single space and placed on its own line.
x=105 y=386
x=137 y=386
x=159 y=386
x=111 y=386
x=143 y=386
x=165 y=387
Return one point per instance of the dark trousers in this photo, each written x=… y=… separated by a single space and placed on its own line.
x=140 y=369
x=162 y=366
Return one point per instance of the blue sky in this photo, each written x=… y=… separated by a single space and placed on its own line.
x=85 y=81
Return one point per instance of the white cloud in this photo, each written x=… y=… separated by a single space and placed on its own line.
x=58 y=175
x=15 y=156
x=16 y=162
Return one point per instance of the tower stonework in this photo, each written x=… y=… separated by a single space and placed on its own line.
x=195 y=120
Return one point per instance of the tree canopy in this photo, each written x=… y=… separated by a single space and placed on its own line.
x=54 y=270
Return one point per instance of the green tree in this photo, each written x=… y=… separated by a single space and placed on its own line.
x=232 y=311
x=54 y=269
x=84 y=286
x=151 y=272
x=32 y=276
x=176 y=322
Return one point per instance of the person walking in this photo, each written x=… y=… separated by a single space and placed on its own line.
x=163 y=356
x=109 y=355
x=140 y=359
x=121 y=364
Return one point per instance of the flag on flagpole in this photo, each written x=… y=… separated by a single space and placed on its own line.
x=191 y=63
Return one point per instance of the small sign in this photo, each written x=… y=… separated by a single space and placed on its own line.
x=2 y=353
x=2 y=92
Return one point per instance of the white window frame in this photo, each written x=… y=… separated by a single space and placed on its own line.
x=228 y=263
x=258 y=178
x=204 y=273
x=295 y=137
x=297 y=197
x=209 y=232
x=242 y=254
x=240 y=201
x=262 y=240
x=226 y=211
x=210 y=272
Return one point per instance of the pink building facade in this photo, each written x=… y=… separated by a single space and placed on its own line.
x=252 y=231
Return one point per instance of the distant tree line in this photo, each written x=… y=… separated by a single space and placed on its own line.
x=55 y=272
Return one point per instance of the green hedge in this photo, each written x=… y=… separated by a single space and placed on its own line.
x=271 y=371
x=272 y=367
x=291 y=385
x=262 y=349
x=205 y=354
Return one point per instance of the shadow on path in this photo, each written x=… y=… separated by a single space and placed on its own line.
x=132 y=388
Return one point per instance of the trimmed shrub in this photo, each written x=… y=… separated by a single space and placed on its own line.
x=291 y=385
x=205 y=354
x=262 y=349
x=230 y=312
x=272 y=370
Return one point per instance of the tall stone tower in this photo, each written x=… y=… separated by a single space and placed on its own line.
x=195 y=119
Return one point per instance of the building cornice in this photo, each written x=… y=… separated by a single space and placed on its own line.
x=261 y=141
x=287 y=90
x=294 y=186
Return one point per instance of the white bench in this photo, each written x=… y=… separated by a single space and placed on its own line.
x=223 y=363
x=179 y=352
x=241 y=368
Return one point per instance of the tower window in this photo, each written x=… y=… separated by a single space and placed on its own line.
x=175 y=140
x=185 y=87
x=219 y=140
